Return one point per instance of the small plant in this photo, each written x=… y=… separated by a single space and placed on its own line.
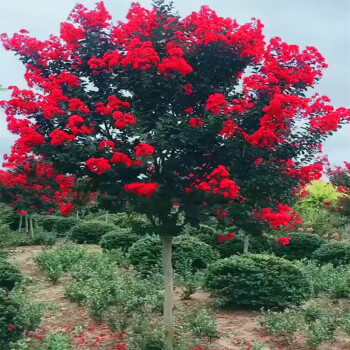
x=346 y=323
x=320 y=331
x=51 y=264
x=10 y=275
x=202 y=325
x=56 y=341
x=284 y=324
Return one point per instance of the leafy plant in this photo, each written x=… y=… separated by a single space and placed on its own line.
x=257 y=280
x=91 y=231
x=203 y=325
x=10 y=275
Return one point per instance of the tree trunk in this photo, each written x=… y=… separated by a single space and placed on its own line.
x=107 y=217
x=77 y=215
x=31 y=227
x=246 y=244
x=26 y=222
x=20 y=222
x=169 y=291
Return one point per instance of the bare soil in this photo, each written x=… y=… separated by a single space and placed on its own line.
x=239 y=328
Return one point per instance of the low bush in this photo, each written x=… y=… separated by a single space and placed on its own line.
x=328 y=280
x=257 y=280
x=121 y=238
x=203 y=325
x=145 y=254
x=337 y=253
x=91 y=231
x=10 y=275
x=48 y=222
x=11 y=320
x=63 y=225
x=55 y=261
x=302 y=245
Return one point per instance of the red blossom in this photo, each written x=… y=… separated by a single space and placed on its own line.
x=98 y=165
x=141 y=188
x=143 y=150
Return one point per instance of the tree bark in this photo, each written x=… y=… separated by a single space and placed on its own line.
x=31 y=227
x=20 y=222
x=169 y=291
x=26 y=222
x=246 y=244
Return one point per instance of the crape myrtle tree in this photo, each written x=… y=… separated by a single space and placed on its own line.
x=30 y=186
x=179 y=119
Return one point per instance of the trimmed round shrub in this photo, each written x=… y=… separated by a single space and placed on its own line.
x=257 y=280
x=10 y=275
x=48 y=222
x=301 y=245
x=199 y=253
x=12 y=323
x=337 y=253
x=145 y=254
x=122 y=238
x=63 y=225
x=43 y=238
x=91 y=231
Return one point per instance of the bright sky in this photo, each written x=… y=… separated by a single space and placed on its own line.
x=324 y=24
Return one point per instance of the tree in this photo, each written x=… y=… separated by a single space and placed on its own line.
x=30 y=186
x=176 y=118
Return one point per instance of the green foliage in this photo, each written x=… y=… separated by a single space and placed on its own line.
x=145 y=254
x=11 y=320
x=317 y=193
x=10 y=275
x=91 y=231
x=337 y=253
x=328 y=280
x=43 y=238
x=31 y=311
x=321 y=331
x=55 y=261
x=49 y=221
x=203 y=325
x=63 y=225
x=302 y=245
x=122 y=239
x=257 y=280
x=285 y=324
x=56 y=341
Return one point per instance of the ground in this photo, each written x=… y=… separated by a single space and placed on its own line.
x=239 y=328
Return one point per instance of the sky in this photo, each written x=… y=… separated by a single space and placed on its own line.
x=324 y=24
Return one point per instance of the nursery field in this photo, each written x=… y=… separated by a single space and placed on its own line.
x=166 y=188
x=108 y=294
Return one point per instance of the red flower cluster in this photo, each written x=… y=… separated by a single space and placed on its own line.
x=106 y=145
x=217 y=104
x=283 y=240
x=219 y=183
x=59 y=137
x=284 y=217
x=98 y=165
x=142 y=188
x=143 y=150
x=119 y=157
x=224 y=238
x=195 y=122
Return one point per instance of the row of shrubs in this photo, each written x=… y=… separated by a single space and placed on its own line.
x=17 y=313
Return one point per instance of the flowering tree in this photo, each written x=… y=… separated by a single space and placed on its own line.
x=30 y=186
x=157 y=110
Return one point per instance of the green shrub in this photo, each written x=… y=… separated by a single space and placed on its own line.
x=337 y=253
x=145 y=254
x=43 y=238
x=11 y=320
x=321 y=331
x=285 y=324
x=329 y=280
x=302 y=245
x=55 y=261
x=10 y=275
x=48 y=222
x=121 y=238
x=63 y=225
x=257 y=280
x=91 y=231
x=56 y=341
x=203 y=325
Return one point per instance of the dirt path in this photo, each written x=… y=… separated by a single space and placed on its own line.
x=239 y=328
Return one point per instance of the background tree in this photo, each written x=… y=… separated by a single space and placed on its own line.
x=177 y=119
